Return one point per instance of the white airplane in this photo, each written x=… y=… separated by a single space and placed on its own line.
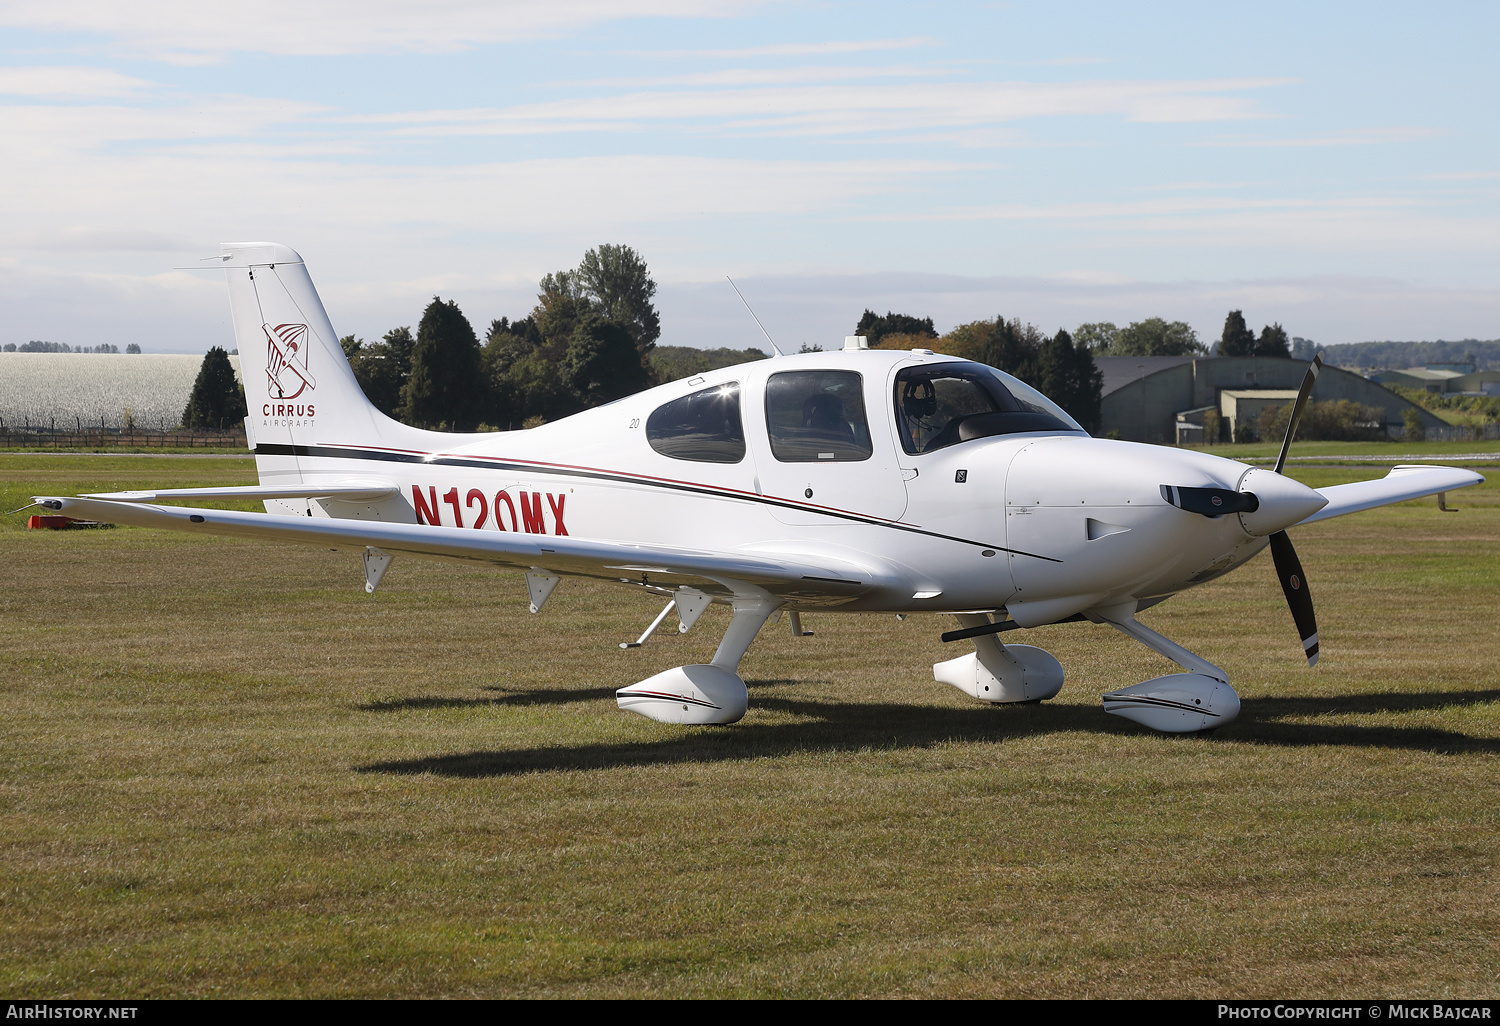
x=861 y=481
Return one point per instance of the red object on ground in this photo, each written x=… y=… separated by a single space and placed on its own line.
x=50 y=523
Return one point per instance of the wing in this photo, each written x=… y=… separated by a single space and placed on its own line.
x=349 y=491
x=1401 y=484
x=793 y=578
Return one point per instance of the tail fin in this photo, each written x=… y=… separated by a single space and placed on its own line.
x=299 y=387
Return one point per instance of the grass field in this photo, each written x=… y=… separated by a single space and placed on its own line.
x=226 y=771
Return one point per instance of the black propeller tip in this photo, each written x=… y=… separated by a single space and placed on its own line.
x=1298 y=597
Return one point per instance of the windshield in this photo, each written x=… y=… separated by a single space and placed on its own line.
x=942 y=404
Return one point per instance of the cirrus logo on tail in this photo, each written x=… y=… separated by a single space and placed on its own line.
x=287 y=376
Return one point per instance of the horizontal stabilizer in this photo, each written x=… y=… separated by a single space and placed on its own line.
x=351 y=491
x=1400 y=485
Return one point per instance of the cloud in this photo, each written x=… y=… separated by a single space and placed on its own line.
x=1299 y=224
x=52 y=192
x=69 y=82
x=1349 y=137
x=82 y=239
x=848 y=109
x=779 y=76
x=189 y=30
x=80 y=129
x=798 y=49
x=1462 y=176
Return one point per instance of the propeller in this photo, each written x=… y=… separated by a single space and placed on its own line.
x=1288 y=566
x=1216 y=502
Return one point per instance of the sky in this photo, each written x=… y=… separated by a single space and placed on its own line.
x=1332 y=167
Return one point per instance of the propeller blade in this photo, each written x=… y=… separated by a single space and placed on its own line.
x=1294 y=584
x=1211 y=502
x=1302 y=394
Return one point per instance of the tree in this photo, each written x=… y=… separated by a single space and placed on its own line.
x=565 y=355
x=672 y=363
x=559 y=304
x=602 y=363
x=875 y=328
x=966 y=341
x=1097 y=337
x=1211 y=427
x=1156 y=337
x=445 y=386
x=217 y=400
x=534 y=392
x=513 y=390
x=1341 y=420
x=1273 y=342
x=133 y=348
x=615 y=281
x=1416 y=431
x=1237 y=339
x=1066 y=374
x=1013 y=348
x=382 y=368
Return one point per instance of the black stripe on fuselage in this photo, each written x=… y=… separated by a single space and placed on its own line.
x=335 y=452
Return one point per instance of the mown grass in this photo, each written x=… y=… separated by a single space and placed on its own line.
x=1384 y=451
x=127 y=450
x=225 y=771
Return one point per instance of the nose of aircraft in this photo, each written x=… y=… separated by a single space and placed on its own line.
x=1283 y=502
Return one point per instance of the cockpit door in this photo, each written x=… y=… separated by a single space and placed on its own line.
x=822 y=447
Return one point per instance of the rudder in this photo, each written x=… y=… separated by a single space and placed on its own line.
x=299 y=387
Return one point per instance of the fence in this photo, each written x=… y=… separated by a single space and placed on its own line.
x=118 y=438
x=1461 y=433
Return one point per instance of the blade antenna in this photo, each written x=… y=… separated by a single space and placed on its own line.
x=1302 y=396
x=774 y=347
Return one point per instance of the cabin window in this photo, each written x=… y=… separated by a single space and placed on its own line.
x=704 y=426
x=817 y=417
x=942 y=404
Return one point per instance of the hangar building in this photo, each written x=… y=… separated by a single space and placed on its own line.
x=1163 y=399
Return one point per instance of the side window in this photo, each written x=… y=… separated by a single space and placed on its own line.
x=704 y=426
x=817 y=417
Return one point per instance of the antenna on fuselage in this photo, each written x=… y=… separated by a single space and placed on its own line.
x=774 y=348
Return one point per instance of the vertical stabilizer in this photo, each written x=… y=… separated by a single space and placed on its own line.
x=299 y=387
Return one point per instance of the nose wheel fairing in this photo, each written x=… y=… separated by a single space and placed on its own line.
x=1177 y=703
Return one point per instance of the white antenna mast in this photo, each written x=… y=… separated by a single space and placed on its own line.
x=762 y=327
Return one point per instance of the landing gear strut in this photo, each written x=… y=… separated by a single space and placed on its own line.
x=705 y=692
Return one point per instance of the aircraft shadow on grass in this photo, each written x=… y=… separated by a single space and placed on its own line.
x=845 y=727
x=509 y=697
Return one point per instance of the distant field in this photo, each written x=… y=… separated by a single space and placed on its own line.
x=1375 y=452
x=40 y=388
x=226 y=771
